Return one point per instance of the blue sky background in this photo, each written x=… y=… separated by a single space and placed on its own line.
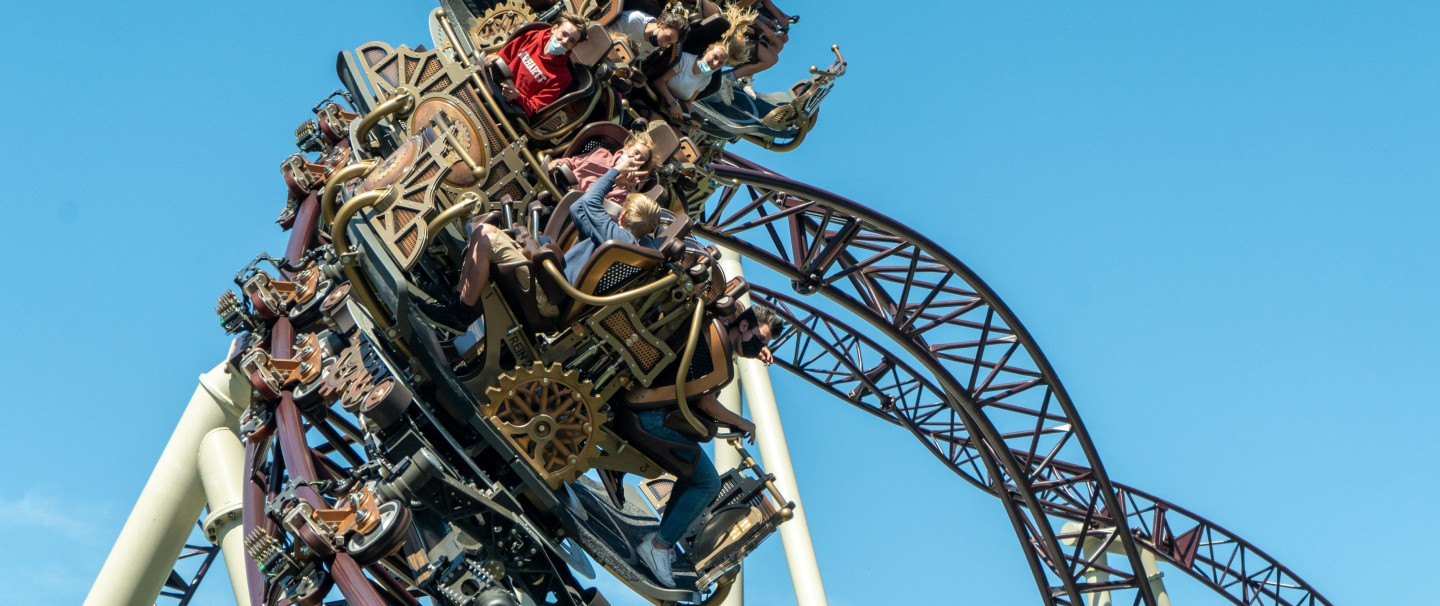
x=1219 y=221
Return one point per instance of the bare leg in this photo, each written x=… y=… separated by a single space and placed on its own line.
x=475 y=271
x=765 y=59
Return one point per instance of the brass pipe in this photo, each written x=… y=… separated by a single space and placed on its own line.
x=695 y=321
x=466 y=204
x=495 y=110
x=477 y=172
x=353 y=170
x=454 y=41
x=359 y=285
x=402 y=103
x=587 y=299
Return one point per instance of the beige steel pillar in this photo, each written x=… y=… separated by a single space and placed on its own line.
x=173 y=497
x=1147 y=560
x=729 y=458
x=754 y=380
x=222 y=472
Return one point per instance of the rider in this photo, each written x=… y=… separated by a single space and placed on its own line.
x=639 y=216
x=589 y=167
x=651 y=33
x=750 y=332
x=540 y=62
x=681 y=86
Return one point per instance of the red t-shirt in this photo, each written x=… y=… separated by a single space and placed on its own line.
x=539 y=78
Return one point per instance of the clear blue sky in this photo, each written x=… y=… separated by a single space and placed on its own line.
x=1219 y=222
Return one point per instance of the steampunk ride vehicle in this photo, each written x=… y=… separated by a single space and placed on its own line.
x=487 y=467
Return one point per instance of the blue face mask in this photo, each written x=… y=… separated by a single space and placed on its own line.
x=553 y=47
x=705 y=68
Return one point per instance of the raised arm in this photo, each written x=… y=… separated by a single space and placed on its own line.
x=591 y=220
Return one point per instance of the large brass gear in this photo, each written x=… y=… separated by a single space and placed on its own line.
x=550 y=416
x=492 y=28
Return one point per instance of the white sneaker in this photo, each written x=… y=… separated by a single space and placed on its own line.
x=727 y=87
x=746 y=84
x=656 y=559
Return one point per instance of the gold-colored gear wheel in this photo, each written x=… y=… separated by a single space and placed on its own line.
x=492 y=28
x=550 y=416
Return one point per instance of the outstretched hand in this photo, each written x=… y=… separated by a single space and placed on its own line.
x=765 y=356
x=625 y=164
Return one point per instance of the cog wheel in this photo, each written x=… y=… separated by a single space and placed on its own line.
x=492 y=28
x=549 y=415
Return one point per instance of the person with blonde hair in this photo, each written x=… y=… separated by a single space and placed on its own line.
x=681 y=85
x=639 y=216
x=589 y=166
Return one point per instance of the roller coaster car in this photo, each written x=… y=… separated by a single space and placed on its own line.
x=775 y=121
x=478 y=447
x=536 y=399
x=561 y=117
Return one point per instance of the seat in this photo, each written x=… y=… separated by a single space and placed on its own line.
x=537 y=301
x=665 y=453
x=612 y=136
x=710 y=370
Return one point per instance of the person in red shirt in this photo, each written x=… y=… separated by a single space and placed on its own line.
x=540 y=61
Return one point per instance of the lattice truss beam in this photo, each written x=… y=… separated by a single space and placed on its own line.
x=961 y=374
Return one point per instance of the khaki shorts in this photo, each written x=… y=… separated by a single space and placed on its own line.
x=503 y=249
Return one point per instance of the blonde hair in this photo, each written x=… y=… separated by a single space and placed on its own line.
x=642 y=215
x=740 y=36
x=643 y=138
x=724 y=45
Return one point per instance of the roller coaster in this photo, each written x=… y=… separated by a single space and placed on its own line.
x=396 y=457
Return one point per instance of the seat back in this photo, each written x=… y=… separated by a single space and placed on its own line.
x=665 y=453
x=710 y=370
x=666 y=139
x=614 y=266
x=607 y=134
x=593 y=48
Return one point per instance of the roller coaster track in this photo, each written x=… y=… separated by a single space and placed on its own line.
x=961 y=373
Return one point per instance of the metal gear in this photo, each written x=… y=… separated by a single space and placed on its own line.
x=495 y=26
x=549 y=415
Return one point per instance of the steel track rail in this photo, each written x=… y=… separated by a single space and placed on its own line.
x=998 y=384
x=842 y=361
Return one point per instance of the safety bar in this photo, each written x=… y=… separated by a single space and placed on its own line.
x=333 y=184
x=465 y=208
x=696 y=319
x=402 y=103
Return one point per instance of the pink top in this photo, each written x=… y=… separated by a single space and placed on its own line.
x=589 y=167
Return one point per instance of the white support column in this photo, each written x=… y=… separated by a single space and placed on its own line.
x=1102 y=598
x=222 y=472
x=754 y=380
x=728 y=458
x=171 y=502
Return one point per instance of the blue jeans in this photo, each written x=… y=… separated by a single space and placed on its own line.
x=691 y=496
